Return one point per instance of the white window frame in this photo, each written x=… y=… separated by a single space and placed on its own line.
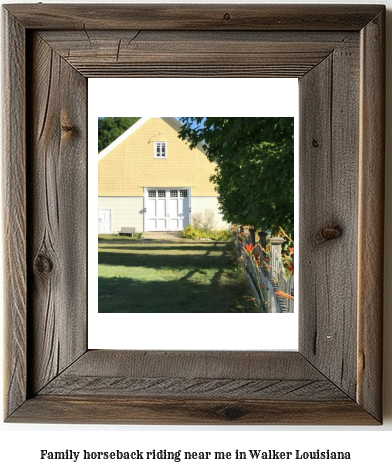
x=155 y=150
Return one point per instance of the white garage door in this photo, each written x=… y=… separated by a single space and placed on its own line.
x=167 y=209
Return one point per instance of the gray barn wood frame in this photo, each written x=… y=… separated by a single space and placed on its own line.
x=337 y=52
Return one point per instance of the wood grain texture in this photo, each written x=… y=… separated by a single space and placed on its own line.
x=57 y=212
x=194 y=17
x=14 y=207
x=129 y=53
x=103 y=409
x=329 y=199
x=208 y=364
x=186 y=374
x=371 y=216
x=188 y=387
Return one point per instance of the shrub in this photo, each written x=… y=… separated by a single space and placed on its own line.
x=204 y=221
x=197 y=220
x=190 y=232
x=209 y=219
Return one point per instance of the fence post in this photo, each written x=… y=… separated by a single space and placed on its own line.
x=263 y=239
x=276 y=245
x=252 y=235
x=276 y=254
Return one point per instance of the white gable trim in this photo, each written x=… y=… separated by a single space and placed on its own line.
x=129 y=132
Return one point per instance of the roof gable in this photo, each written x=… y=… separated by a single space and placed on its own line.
x=130 y=131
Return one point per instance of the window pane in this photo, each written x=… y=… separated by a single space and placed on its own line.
x=160 y=150
x=152 y=194
x=183 y=193
x=161 y=193
x=173 y=193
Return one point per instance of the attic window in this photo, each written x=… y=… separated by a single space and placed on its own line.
x=160 y=150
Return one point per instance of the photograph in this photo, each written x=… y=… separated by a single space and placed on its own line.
x=196 y=214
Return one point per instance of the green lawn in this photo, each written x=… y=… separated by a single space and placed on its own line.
x=136 y=276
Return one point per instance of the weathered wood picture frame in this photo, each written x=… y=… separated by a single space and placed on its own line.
x=337 y=52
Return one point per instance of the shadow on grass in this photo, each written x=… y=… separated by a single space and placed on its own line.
x=159 y=262
x=200 y=278
x=125 y=295
x=216 y=247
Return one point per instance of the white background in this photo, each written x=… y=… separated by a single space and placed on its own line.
x=228 y=331
x=370 y=446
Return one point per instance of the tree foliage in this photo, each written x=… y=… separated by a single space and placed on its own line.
x=110 y=128
x=254 y=176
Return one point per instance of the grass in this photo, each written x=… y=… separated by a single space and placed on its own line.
x=136 y=276
x=105 y=237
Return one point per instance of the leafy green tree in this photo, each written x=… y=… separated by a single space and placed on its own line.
x=254 y=176
x=110 y=128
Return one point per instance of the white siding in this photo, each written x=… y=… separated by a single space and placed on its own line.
x=126 y=211
x=200 y=204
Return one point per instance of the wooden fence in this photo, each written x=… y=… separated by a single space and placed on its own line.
x=266 y=276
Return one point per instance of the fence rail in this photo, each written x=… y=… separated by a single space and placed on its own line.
x=267 y=276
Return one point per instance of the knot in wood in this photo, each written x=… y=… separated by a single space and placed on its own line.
x=227 y=16
x=43 y=264
x=315 y=143
x=328 y=233
x=69 y=128
x=232 y=412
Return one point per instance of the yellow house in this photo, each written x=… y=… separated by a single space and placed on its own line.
x=149 y=179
